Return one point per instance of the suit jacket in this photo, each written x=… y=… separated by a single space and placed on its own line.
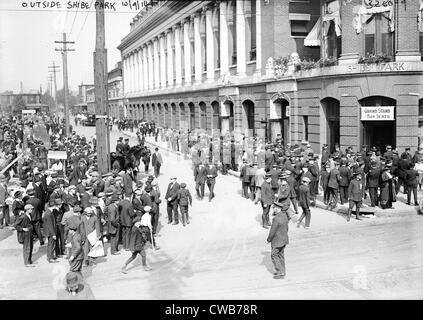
x=324 y=179
x=126 y=212
x=37 y=211
x=334 y=178
x=278 y=234
x=373 y=177
x=345 y=174
x=411 y=176
x=172 y=192
x=156 y=160
x=85 y=200
x=113 y=218
x=304 y=196
x=275 y=177
x=403 y=166
x=49 y=223
x=127 y=184
x=138 y=207
x=267 y=194
x=284 y=196
x=185 y=197
x=200 y=174
x=211 y=172
x=356 y=190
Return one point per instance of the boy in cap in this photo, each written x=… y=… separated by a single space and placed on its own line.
x=147 y=227
x=113 y=226
x=355 y=195
x=304 y=202
x=278 y=237
x=324 y=181
x=185 y=199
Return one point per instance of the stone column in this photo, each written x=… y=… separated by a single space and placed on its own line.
x=140 y=70
x=136 y=71
x=258 y=36
x=197 y=48
x=163 y=77
x=408 y=38
x=209 y=44
x=187 y=52
x=130 y=67
x=241 y=62
x=169 y=57
x=224 y=42
x=125 y=75
x=145 y=65
x=351 y=41
x=134 y=85
x=150 y=66
x=178 y=61
x=156 y=63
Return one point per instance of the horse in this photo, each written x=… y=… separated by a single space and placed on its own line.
x=131 y=160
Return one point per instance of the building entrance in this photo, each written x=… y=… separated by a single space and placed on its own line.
x=379 y=134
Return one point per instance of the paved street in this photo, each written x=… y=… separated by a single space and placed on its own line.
x=223 y=254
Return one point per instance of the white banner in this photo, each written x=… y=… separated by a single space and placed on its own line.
x=375 y=6
x=377 y=113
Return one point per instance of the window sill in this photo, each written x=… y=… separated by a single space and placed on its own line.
x=298 y=37
x=232 y=66
x=251 y=62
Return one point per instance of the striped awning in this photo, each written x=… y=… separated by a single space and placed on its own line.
x=314 y=36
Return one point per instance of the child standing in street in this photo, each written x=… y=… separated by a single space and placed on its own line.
x=185 y=199
x=355 y=195
x=304 y=202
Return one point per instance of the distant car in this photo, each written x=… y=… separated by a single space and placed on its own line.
x=90 y=121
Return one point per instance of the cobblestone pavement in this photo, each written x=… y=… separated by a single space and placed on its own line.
x=222 y=254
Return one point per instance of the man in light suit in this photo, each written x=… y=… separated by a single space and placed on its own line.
x=172 y=201
x=278 y=237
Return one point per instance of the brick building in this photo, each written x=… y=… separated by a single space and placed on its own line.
x=246 y=66
x=115 y=92
x=31 y=101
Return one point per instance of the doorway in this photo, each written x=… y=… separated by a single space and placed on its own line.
x=249 y=125
x=331 y=108
x=280 y=123
x=378 y=133
x=191 y=116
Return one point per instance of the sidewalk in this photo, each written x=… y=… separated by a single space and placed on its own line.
x=401 y=208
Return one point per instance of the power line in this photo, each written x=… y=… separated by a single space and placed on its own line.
x=86 y=16
x=73 y=22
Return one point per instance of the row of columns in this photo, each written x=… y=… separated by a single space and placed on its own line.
x=159 y=62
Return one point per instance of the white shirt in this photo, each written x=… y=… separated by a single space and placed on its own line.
x=146 y=220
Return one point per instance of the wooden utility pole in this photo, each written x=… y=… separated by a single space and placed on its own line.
x=64 y=51
x=100 y=84
x=54 y=71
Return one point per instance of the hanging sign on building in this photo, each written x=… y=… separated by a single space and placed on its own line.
x=377 y=113
x=378 y=5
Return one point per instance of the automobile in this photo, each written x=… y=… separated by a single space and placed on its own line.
x=90 y=121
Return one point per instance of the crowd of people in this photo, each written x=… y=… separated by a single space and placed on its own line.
x=72 y=209
x=78 y=213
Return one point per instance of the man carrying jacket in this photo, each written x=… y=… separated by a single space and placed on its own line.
x=278 y=237
x=267 y=198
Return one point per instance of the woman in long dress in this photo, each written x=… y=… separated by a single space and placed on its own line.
x=387 y=189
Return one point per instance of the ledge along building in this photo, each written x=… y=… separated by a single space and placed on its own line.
x=340 y=71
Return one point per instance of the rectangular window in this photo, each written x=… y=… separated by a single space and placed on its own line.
x=378 y=38
x=299 y=28
x=305 y=124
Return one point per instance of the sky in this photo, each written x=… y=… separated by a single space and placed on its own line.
x=27 y=45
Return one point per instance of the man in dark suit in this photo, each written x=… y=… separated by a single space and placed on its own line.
x=333 y=186
x=35 y=214
x=200 y=176
x=127 y=182
x=411 y=176
x=4 y=208
x=372 y=184
x=268 y=159
x=49 y=228
x=278 y=237
x=113 y=224
x=403 y=165
x=211 y=179
x=172 y=201
x=24 y=228
x=345 y=174
x=126 y=215
x=156 y=161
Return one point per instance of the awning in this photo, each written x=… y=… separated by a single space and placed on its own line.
x=315 y=34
